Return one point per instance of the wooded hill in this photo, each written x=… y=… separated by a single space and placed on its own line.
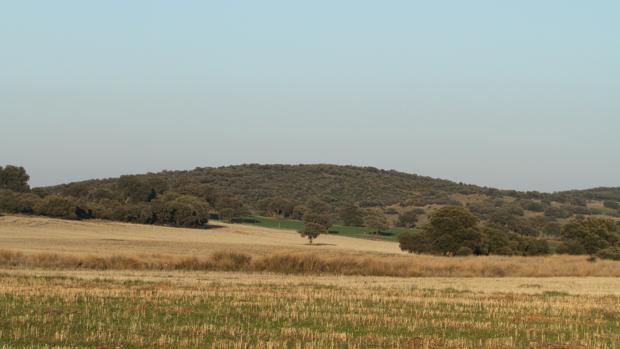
x=349 y=195
x=335 y=185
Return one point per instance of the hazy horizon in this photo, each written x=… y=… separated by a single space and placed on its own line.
x=521 y=96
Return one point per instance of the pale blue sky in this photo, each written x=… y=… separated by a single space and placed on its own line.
x=520 y=94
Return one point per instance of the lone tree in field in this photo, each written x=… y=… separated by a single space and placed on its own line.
x=317 y=220
x=376 y=221
x=312 y=231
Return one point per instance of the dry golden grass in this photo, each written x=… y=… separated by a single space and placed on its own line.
x=307 y=264
x=33 y=242
x=42 y=234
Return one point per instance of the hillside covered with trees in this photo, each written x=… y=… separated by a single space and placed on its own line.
x=322 y=195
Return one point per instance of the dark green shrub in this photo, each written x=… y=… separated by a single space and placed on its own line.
x=609 y=253
x=418 y=243
x=558 y=212
x=593 y=234
x=56 y=206
x=179 y=210
x=449 y=228
x=464 y=251
x=533 y=247
x=15 y=202
x=552 y=229
x=570 y=247
x=351 y=215
x=408 y=219
x=504 y=251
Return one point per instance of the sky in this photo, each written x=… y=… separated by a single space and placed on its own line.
x=517 y=95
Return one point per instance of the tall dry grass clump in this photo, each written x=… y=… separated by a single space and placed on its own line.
x=306 y=263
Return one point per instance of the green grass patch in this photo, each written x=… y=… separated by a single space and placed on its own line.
x=289 y=224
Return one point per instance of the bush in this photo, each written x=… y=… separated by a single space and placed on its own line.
x=418 y=243
x=408 y=219
x=611 y=204
x=558 y=212
x=609 y=253
x=570 y=247
x=496 y=240
x=351 y=215
x=390 y=211
x=180 y=210
x=533 y=206
x=504 y=251
x=533 y=247
x=56 y=206
x=464 y=251
x=552 y=229
x=15 y=202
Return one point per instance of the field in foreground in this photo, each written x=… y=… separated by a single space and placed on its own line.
x=71 y=309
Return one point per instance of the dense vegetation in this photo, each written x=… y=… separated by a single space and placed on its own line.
x=491 y=221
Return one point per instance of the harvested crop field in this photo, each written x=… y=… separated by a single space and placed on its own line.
x=67 y=309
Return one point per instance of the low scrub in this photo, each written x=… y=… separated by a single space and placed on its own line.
x=310 y=264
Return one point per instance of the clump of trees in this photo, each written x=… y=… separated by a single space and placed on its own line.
x=131 y=198
x=179 y=210
x=452 y=230
x=14 y=178
x=589 y=236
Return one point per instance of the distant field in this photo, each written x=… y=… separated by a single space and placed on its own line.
x=42 y=234
x=230 y=310
x=361 y=232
